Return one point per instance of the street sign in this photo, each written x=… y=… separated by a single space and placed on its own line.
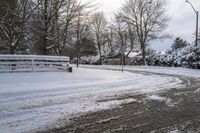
x=122 y=50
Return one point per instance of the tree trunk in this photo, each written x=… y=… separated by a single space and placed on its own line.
x=144 y=54
x=44 y=51
x=12 y=50
x=77 y=60
x=100 y=54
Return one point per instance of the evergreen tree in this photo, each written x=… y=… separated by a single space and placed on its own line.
x=178 y=44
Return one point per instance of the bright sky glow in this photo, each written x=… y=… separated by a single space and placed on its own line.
x=183 y=19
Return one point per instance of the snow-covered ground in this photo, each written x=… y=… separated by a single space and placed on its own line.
x=153 y=69
x=37 y=101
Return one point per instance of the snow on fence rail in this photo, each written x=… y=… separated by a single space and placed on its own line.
x=32 y=63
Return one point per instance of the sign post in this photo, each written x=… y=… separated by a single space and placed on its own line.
x=122 y=51
x=122 y=62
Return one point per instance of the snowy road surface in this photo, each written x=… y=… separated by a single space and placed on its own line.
x=31 y=102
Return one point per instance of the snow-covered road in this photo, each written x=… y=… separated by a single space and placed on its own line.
x=37 y=101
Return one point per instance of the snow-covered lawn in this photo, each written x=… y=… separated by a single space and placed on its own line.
x=153 y=69
x=36 y=101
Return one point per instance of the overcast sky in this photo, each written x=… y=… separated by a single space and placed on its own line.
x=183 y=19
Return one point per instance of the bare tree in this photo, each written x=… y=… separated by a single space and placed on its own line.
x=99 y=25
x=64 y=17
x=14 y=23
x=74 y=16
x=120 y=29
x=148 y=17
x=80 y=27
x=110 y=40
x=124 y=34
x=132 y=39
x=70 y=13
x=79 y=32
x=46 y=25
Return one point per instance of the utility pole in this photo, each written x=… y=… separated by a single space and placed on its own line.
x=197 y=27
x=197 y=20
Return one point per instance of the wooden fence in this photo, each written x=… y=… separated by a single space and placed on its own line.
x=33 y=63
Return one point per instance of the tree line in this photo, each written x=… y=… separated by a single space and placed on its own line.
x=75 y=28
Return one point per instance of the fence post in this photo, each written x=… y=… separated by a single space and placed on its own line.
x=33 y=69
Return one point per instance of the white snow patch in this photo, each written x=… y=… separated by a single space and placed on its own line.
x=156 y=98
x=175 y=131
x=168 y=101
x=109 y=119
x=133 y=54
x=197 y=91
x=114 y=103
